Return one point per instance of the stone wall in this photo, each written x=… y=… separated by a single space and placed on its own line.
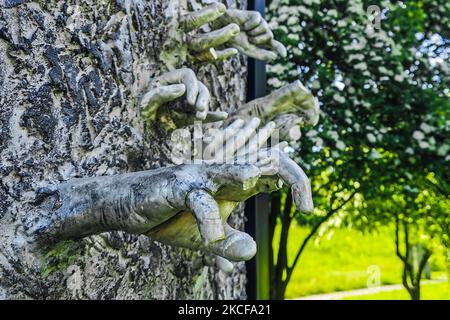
x=71 y=73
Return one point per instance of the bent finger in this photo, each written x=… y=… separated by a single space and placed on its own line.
x=237 y=246
x=215 y=147
x=263 y=27
x=204 y=41
x=261 y=39
x=202 y=98
x=254 y=20
x=194 y=20
x=206 y=211
x=260 y=139
x=254 y=52
x=241 y=138
x=279 y=48
x=153 y=99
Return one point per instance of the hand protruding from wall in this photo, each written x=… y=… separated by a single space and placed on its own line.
x=203 y=45
x=244 y=141
x=290 y=107
x=173 y=85
x=233 y=31
x=153 y=202
x=255 y=40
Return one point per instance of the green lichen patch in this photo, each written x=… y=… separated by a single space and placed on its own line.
x=61 y=256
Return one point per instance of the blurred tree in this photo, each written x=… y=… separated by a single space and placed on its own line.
x=384 y=92
x=422 y=219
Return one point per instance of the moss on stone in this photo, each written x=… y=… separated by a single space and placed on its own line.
x=61 y=256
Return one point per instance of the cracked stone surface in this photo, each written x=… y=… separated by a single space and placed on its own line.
x=70 y=75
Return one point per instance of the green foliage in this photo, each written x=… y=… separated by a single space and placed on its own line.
x=432 y=291
x=384 y=93
x=384 y=131
x=339 y=260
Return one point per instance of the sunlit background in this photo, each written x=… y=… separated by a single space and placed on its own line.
x=379 y=158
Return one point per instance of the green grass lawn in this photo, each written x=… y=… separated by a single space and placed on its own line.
x=435 y=291
x=341 y=262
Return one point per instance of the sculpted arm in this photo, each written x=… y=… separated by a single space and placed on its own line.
x=149 y=202
x=88 y=206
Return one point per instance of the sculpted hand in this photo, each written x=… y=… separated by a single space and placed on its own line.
x=241 y=142
x=155 y=202
x=203 y=45
x=173 y=85
x=186 y=205
x=290 y=107
x=255 y=40
x=234 y=30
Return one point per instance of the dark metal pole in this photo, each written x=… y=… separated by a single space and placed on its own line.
x=257 y=208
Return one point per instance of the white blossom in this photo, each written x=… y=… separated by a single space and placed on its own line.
x=340 y=145
x=338 y=98
x=443 y=150
x=418 y=135
x=371 y=138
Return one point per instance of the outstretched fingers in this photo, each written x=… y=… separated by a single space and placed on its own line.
x=180 y=76
x=223 y=264
x=260 y=139
x=291 y=173
x=214 y=149
x=234 y=143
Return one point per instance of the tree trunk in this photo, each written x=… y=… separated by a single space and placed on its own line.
x=275 y=211
x=69 y=76
x=415 y=292
x=282 y=260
